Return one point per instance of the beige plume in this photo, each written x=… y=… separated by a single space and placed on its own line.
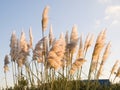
x=115 y=66
x=51 y=36
x=23 y=42
x=73 y=40
x=31 y=38
x=38 y=51
x=77 y=64
x=6 y=60
x=67 y=38
x=45 y=18
x=80 y=51
x=13 y=40
x=118 y=72
x=6 y=68
x=56 y=54
x=107 y=52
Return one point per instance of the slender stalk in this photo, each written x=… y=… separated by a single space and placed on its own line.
x=18 y=79
x=84 y=57
x=80 y=72
x=6 y=80
x=114 y=79
x=89 y=76
x=95 y=76
x=36 y=71
x=13 y=73
x=32 y=70
x=110 y=76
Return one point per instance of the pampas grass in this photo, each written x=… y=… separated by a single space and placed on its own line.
x=56 y=54
x=104 y=58
x=76 y=65
x=31 y=38
x=88 y=42
x=57 y=63
x=117 y=74
x=114 y=68
x=100 y=42
x=73 y=39
x=6 y=62
x=45 y=18
x=51 y=36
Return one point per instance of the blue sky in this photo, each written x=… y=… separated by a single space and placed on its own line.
x=89 y=16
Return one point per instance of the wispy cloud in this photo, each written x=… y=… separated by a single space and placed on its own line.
x=111 y=17
x=112 y=13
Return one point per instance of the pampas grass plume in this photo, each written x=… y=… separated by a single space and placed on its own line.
x=45 y=18
x=31 y=38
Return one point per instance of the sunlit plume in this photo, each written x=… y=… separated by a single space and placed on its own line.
x=45 y=18
x=56 y=54
x=73 y=40
x=77 y=64
x=51 y=36
x=31 y=38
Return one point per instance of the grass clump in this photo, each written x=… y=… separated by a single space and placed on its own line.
x=57 y=64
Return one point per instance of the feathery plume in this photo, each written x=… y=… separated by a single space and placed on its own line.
x=118 y=72
x=100 y=42
x=91 y=40
x=66 y=37
x=45 y=18
x=101 y=36
x=13 y=40
x=38 y=51
x=22 y=50
x=15 y=51
x=107 y=52
x=115 y=66
x=13 y=44
x=6 y=68
x=104 y=58
x=31 y=38
x=56 y=54
x=51 y=36
x=6 y=60
x=77 y=64
x=80 y=51
x=88 y=42
x=73 y=40
x=23 y=42
x=74 y=34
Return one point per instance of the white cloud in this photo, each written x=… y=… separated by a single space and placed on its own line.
x=111 y=17
x=112 y=14
x=113 y=11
